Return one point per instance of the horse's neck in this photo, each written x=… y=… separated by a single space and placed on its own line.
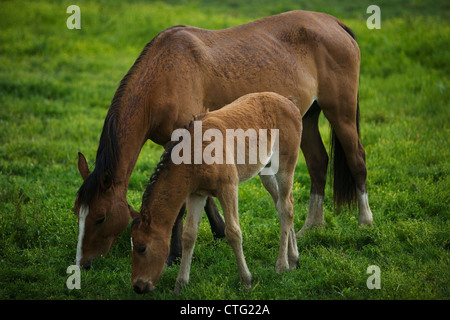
x=132 y=127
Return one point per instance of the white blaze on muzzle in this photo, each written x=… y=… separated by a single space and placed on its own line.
x=84 y=211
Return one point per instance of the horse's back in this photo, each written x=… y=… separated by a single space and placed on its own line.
x=293 y=53
x=306 y=55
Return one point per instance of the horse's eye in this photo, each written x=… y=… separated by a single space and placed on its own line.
x=141 y=249
x=100 y=221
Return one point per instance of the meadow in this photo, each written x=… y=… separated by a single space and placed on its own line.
x=56 y=85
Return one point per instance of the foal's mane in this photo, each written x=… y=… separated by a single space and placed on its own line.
x=163 y=163
x=160 y=167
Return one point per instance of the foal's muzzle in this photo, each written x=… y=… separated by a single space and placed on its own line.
x=142 y=287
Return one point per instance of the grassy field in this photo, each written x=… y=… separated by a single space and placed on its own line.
x=55 y=88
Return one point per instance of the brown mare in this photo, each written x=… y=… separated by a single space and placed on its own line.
x=195 y=181
x=312 y=57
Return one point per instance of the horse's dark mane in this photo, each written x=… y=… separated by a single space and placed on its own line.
x=108 y=149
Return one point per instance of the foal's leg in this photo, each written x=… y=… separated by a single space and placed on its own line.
x=293 y=255
x=317 y=162
x=229 y=202
x=215 y=220
x=270 y=183
x=288 y=249
x=195 y=206
x=285 y=208
x=286 y=216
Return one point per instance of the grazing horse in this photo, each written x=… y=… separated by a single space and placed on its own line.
x=312 y=57
x=257 y=115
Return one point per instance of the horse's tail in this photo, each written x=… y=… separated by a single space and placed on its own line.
x=344 y=185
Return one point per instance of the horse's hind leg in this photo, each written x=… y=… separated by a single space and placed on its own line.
x=342 y=116
x=317 y=162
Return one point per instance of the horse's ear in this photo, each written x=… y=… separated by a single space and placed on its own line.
x=82 y=166
x=106 y=180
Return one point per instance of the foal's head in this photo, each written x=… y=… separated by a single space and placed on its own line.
x=103 y=214
x=149 y=254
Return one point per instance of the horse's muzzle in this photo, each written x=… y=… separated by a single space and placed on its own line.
x=84 y=266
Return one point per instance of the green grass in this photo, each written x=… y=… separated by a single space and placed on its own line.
x=55 y=88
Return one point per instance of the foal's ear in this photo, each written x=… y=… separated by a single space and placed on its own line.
x=133 y=213
x=82 y=166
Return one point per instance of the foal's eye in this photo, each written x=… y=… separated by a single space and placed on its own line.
x=100 y=221
x=141 y=249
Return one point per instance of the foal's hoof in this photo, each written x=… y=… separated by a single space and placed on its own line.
x=247 y=285
x=294 y=264
x=178 y=287
x=247 y=281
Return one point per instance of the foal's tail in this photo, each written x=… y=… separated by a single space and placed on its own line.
x=344 y=185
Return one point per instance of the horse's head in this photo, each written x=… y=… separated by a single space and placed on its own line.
x=102 y=218
x=149 y=254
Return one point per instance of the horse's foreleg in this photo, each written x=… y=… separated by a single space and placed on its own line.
x=229 y=202
x=175 y=242
x=195 y=206
x=215 y=219
x=317 y=162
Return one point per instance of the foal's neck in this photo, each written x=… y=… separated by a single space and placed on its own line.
x=166 y=199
